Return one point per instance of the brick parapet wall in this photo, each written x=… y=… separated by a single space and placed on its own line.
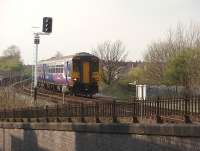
x=179 y=130
x=98 y=137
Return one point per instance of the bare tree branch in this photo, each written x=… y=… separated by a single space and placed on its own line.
x=160 y=52
x=112 y=56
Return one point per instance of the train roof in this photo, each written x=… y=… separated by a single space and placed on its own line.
x=55 y=60
x=83 y=54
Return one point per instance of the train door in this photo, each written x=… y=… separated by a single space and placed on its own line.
x=86 y=72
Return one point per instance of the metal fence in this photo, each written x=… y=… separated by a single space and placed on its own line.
x=11 y=79
x=186 y=108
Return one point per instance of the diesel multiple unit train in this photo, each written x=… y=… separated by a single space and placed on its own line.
x=77 y=74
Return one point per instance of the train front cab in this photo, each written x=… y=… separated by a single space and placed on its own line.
x=85 y=75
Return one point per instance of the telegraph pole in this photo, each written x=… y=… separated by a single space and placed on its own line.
x=46 y=30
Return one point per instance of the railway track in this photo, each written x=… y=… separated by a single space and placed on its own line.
x=57 y=97
x=169 y=111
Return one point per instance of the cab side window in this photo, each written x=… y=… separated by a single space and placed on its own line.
x=95 y=66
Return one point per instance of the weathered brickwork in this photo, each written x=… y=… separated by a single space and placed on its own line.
x=94 y=138
x=36 y=140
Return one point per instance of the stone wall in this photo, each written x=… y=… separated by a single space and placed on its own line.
x=98 y=137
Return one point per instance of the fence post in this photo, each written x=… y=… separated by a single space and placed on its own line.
x=29 y=114
x=1 y=115
x=14 y=115
x=4 y=110
x=69 y=111
x=198 y=106
x=114 y=112
x=37 y=116
x=97 y=112
x=158 y=118
x=46 y=113
x=187 y=117
x=57 y=113
x=14 y=96
x=82 y=113
x=20 y=115
x=135 y=119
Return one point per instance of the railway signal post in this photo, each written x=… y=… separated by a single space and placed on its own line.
x=46 y=30
x=36 y=42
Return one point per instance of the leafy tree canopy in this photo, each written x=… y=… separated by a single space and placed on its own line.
x=184 y=69
x=11 y=61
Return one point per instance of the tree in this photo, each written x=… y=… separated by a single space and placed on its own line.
x=184 y=69
x=137 y=74
x=58 y=54
x=160 y=52
x=112 y=56
x=12 y=51
x=134 y=76
x=10 y=61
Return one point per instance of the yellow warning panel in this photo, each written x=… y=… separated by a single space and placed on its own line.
x=86 y=74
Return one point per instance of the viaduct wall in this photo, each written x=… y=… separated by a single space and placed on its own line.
x=98 y=137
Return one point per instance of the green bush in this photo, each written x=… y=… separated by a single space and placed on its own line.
x=117 y=90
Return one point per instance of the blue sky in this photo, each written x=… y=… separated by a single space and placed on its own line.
x=79 y=25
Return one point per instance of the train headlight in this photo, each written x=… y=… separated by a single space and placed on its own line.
x=95 y=79
x=95 y=76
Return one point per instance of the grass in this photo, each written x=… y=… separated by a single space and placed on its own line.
x=117 y=90
x=11 y=99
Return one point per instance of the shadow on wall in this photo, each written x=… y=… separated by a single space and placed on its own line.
x=130 y=142
x=28 y=143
